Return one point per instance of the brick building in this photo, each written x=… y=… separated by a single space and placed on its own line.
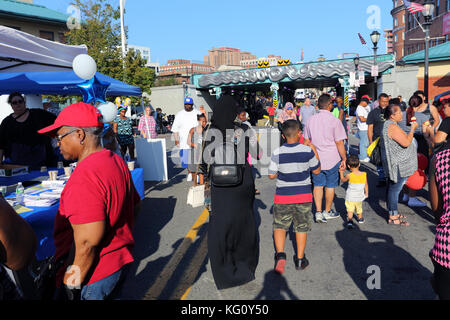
x=439 y=78
x=389 y=38
x=182 y=69
x=406 y=28
x=225 y=56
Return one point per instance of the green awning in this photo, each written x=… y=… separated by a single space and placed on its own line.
x=31 y=11
x=437 y=53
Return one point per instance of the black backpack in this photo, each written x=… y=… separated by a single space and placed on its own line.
x=228 y=167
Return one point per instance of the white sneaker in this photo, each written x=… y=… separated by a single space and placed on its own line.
x=320 y=218
x=189 y=178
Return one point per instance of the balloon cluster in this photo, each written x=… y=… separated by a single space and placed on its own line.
x=94 y=90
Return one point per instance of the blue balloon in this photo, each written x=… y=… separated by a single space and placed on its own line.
x=94 y=91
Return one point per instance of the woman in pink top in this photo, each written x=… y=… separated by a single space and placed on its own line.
x=147 y=125
x=440 y=203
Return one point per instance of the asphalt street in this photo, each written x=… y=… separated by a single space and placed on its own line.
x=373 y=261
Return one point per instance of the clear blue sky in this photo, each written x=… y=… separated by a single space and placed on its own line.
x=179 y=29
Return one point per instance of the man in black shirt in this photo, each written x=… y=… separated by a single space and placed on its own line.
x=375 y=122
x=19 y=141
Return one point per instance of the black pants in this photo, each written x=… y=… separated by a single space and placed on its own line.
x=441 y=281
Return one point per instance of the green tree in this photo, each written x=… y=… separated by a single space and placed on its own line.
x=136 y=73
x=100 y=32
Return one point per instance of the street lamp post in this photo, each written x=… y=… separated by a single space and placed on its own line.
x=427 y=15
x=375 y=37
x=356 y=62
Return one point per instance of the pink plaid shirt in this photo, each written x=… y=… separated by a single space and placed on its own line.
x=148 y=125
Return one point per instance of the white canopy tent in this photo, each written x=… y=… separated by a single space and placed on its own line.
x=23 y=52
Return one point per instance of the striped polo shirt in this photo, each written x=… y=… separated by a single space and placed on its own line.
x=293 y=163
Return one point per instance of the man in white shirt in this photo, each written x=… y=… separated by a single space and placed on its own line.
x=362 y=112
x=184 y=121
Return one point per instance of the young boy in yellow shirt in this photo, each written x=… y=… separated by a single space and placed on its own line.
x=357 y=191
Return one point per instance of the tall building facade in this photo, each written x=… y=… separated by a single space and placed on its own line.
x=227 y=56
x=389 y=38
x=144 y=51
x=406 y=27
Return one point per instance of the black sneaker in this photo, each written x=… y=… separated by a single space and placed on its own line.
x=360 y=221
x=280 y=262
x=349 y=224
x=301 y=264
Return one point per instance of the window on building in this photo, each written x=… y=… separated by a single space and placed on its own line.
x=396 y=37
x=48 y=35
x=396 y=22
x=447 y=5
x=437 y=7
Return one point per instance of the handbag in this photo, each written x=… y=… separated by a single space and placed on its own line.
x=227 y=175
x=375 y=158
x=196 y=196
x=372 y=146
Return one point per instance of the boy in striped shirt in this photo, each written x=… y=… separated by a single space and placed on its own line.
x=291 y=165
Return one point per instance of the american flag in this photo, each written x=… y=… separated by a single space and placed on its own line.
x=362 y=39
x=413 y=7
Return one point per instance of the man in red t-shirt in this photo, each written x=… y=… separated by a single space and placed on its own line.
x=93 y=226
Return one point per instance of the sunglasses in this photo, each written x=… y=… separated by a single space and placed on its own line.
x=16 y=102
x=61 y=136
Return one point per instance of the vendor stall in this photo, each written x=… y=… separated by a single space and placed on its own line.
x=41 y=218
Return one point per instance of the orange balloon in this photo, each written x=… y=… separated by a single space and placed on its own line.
x=417 y=181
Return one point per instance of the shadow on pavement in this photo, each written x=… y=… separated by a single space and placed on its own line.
x=275 y=287
x=154 y=215
x=401 y=276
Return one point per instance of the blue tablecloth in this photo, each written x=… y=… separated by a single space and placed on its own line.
x=8 y=181
x=42 y=219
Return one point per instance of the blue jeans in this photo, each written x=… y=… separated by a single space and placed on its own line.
x=393 y=192
x=327 y=178
x=102 y=289
x=363 y=144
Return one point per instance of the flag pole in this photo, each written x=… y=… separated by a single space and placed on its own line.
x=122 y=29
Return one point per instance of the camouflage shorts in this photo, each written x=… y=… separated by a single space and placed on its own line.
x=299 y=213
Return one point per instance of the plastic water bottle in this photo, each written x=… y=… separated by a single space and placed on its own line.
x=20 y=193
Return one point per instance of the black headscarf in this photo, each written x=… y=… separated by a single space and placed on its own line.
x=224 y=113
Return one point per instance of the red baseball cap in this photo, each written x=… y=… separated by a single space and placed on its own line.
x=79 y=115
x=366 y=96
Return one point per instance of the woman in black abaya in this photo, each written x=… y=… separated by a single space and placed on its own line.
x=233 y=247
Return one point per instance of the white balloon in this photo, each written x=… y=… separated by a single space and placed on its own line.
x=108 y=111
x=84 y=66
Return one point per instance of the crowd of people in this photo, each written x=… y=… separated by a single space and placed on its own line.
x=99 y=204
x=312 y=162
